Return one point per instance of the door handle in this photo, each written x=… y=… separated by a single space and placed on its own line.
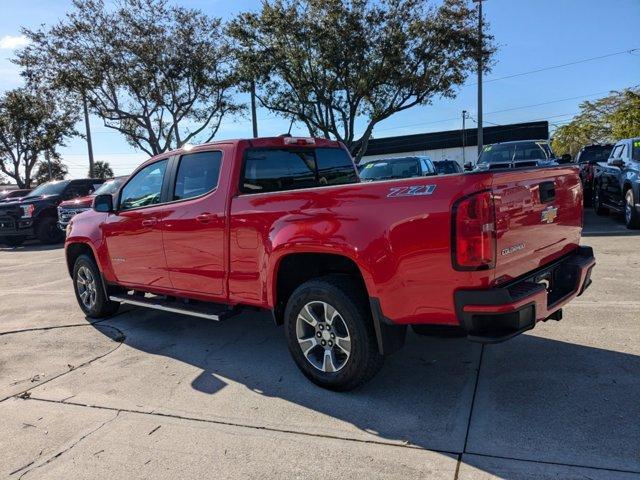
x=206 y=217
x=149 y=222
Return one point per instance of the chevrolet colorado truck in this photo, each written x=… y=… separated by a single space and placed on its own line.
x=36 y=214
x=616 y=182
x=284 y=224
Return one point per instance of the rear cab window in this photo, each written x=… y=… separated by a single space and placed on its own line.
x=280 y=169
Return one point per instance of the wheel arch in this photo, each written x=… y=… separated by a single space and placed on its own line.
x=291 y=269
x=74 y=250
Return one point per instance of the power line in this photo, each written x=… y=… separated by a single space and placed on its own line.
x=552 y=67
x=521 y=107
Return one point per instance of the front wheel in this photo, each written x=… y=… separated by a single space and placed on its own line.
x=87 y=284
x=48 y=231
x=631 y=217
x=330 y=333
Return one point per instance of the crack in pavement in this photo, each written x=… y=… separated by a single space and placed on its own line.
x=119 y=339
x=240 y=425
x=62 y=452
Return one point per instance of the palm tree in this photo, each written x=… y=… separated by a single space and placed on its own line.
x=102 y=170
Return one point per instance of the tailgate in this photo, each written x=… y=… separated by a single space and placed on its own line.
x=538 y=218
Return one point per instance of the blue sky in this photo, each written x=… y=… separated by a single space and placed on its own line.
x=531 y=34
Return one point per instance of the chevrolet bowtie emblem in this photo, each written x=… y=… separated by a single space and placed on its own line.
x=549 y=214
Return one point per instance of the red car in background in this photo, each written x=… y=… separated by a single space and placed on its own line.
x=587 y=159
x=68 y=209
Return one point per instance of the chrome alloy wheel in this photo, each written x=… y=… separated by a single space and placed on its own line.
x=86 y=285
x=628 y=206
x=323 y=336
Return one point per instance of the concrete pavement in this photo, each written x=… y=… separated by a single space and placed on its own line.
x=150 y=395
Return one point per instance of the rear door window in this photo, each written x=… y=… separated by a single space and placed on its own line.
x=198 y=174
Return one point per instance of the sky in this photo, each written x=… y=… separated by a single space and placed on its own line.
x=530 y=34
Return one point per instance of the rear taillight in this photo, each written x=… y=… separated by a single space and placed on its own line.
x=474 y=232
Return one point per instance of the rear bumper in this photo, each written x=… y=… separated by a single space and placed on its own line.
x=497 y=314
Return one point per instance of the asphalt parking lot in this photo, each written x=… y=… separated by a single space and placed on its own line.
x=147 y=394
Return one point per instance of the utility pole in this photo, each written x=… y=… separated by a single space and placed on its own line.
x=480 y=42
x=87 y=128
x=47 y=157
x=254 y=118
x=464 y=136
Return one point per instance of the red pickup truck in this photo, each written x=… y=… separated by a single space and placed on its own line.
x=284 y=224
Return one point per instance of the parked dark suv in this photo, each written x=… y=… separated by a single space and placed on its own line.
x=36 y=214
x=518 y=154
x=587 y=159
x=616 y=184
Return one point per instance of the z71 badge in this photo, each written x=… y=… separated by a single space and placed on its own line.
x=410 y=191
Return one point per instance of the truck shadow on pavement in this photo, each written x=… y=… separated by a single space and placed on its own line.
x=535 y=399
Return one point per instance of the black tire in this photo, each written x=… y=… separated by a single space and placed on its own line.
x=12 y=241
x=48 y=231
x=597 y=202
x=631 y=217
x=102 y=307
x=343 y=294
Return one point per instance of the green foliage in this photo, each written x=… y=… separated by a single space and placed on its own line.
x=32 y=122
x=159 y=74
x=58 y=171
x=341 y=66
x=102 y=170
x=605 y=120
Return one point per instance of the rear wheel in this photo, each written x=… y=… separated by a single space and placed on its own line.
x=631 y=218
x=48 y=232
x=597 y=202
x=87 y=284
x=330 y=333
x=13 y=241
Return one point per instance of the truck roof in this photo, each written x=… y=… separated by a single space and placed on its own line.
x=259 y=142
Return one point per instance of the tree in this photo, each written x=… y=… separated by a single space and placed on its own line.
x=102 y=170
x=58 y=171
x=341 y=66
x=31 y=123
x=159 y=74
x=605 y=120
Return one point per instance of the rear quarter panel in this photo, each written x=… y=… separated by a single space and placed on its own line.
x=401 y=243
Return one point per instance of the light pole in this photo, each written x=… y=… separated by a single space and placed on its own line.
x=87 y=128
x=254 y=117
x=480 y=142
x=464 y=136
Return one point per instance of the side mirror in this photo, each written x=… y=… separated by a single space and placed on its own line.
x=468 y=166
x=103 y=203
x=617 y=162
x=566 y=158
